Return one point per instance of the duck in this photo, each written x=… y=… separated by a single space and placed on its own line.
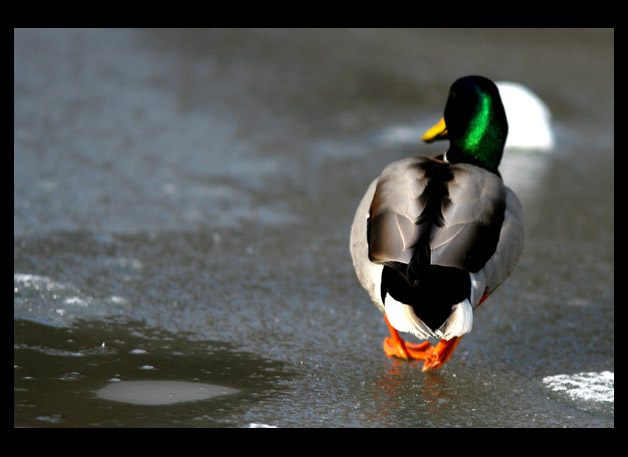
x=434 y=237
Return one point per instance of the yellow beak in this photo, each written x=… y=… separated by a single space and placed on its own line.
x=438 y=132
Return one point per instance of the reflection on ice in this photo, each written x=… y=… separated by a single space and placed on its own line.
x=161 y=392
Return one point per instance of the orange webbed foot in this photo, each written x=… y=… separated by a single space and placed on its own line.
x=397 y=347
x=441 y=354
x=435 y=356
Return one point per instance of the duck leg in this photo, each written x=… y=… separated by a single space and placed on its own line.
x=434 y=356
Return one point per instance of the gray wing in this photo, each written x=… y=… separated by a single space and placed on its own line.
x=392 y=231
x=427 y=210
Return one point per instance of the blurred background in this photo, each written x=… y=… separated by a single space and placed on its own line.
x=182 y=206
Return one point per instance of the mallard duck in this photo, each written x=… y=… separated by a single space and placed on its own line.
x=432 y=238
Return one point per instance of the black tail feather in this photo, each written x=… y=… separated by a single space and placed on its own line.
x=431 y=290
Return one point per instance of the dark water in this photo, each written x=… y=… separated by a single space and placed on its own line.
x=182 y=203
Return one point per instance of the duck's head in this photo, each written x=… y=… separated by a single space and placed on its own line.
x=475 y=123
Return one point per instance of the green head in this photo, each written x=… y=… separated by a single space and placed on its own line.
x=475 y=123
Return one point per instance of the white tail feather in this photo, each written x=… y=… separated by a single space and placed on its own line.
x=403 y=318
x=459 y=323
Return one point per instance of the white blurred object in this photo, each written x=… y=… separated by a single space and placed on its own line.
x=529 y=118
